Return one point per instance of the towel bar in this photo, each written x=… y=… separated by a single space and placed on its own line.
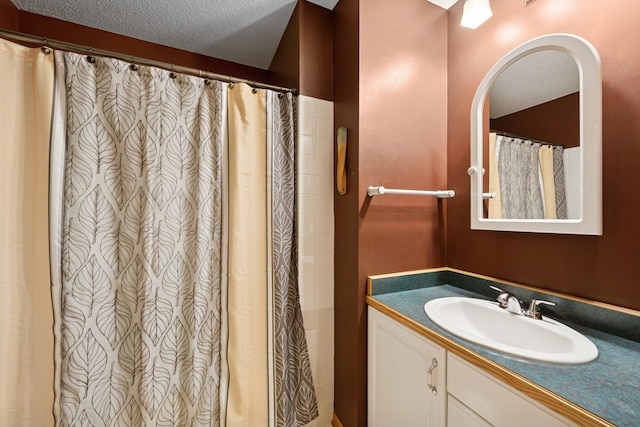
x=380 y=190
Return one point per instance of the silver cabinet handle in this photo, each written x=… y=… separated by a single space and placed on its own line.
x=432 y=387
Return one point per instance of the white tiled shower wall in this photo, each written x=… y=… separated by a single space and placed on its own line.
x=315 y=250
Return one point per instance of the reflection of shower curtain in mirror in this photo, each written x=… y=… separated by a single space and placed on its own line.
x=530 y=177
x=559 y=182
x=545 y=155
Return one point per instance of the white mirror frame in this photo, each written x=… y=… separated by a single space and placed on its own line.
x=588 y=62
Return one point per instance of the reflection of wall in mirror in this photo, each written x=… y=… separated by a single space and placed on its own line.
x=556 y=121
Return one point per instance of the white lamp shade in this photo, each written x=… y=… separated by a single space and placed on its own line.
x=445 y=4
x=475 y=12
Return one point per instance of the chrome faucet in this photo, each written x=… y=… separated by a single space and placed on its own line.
x=510 y=302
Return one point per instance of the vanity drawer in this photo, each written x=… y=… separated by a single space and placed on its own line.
x=458 y=415
x=494 y=401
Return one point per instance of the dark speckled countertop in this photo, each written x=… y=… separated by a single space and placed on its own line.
x=608 y=387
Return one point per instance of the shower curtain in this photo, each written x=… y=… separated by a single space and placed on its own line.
x=26 y=341
x=148 y=329
x=518 y=167
x=545 y=155
x=559 y=182
x=528 y=179
x=140 y=292
x=260 y=178
x=295 y=399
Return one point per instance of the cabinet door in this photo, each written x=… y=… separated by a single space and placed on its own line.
x=399 y=361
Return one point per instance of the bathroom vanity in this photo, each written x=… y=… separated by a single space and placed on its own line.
x=419 y=374
x=402 y=362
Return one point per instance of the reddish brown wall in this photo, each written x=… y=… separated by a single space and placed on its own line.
x=285 y=65
x=316 y=51
x=403 y=134
x=556 y=121
x=8 y=15
x=350 y=346
x=604 y=267
x=395 y=108
x=304 y=58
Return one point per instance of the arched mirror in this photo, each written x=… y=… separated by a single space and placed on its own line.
x=536 y=138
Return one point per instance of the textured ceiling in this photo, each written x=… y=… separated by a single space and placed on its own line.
x=532 y=80
x=243 y=31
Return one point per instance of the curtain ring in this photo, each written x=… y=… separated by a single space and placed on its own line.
x=254 y=90
x=207 y=82
x=90 y=57
x=133 y=66
x=45 y=49
x=231 y=85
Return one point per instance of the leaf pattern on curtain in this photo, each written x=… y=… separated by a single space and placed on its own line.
x=141 y=253
x=559 y=181
x=295 y=398
x=518 y=168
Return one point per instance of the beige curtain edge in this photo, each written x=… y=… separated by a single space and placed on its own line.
x=495 y=204
x=56 y=197
x=270 y=296
x=247 y=286
x=26 y=317
x=548 y=181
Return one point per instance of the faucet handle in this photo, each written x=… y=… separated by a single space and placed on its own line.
x=534 y=311
x=503 y=298
x=495 y=288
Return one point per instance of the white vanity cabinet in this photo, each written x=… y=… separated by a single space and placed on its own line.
x=477 y=399
x=404 y=369
x=406 y=376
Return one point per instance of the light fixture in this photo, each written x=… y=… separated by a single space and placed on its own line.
x=475 y=12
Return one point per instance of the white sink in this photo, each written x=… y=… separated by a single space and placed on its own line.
x=484 y=323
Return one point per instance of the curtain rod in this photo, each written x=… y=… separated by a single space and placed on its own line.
x=85 y=50
x=524 y=138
